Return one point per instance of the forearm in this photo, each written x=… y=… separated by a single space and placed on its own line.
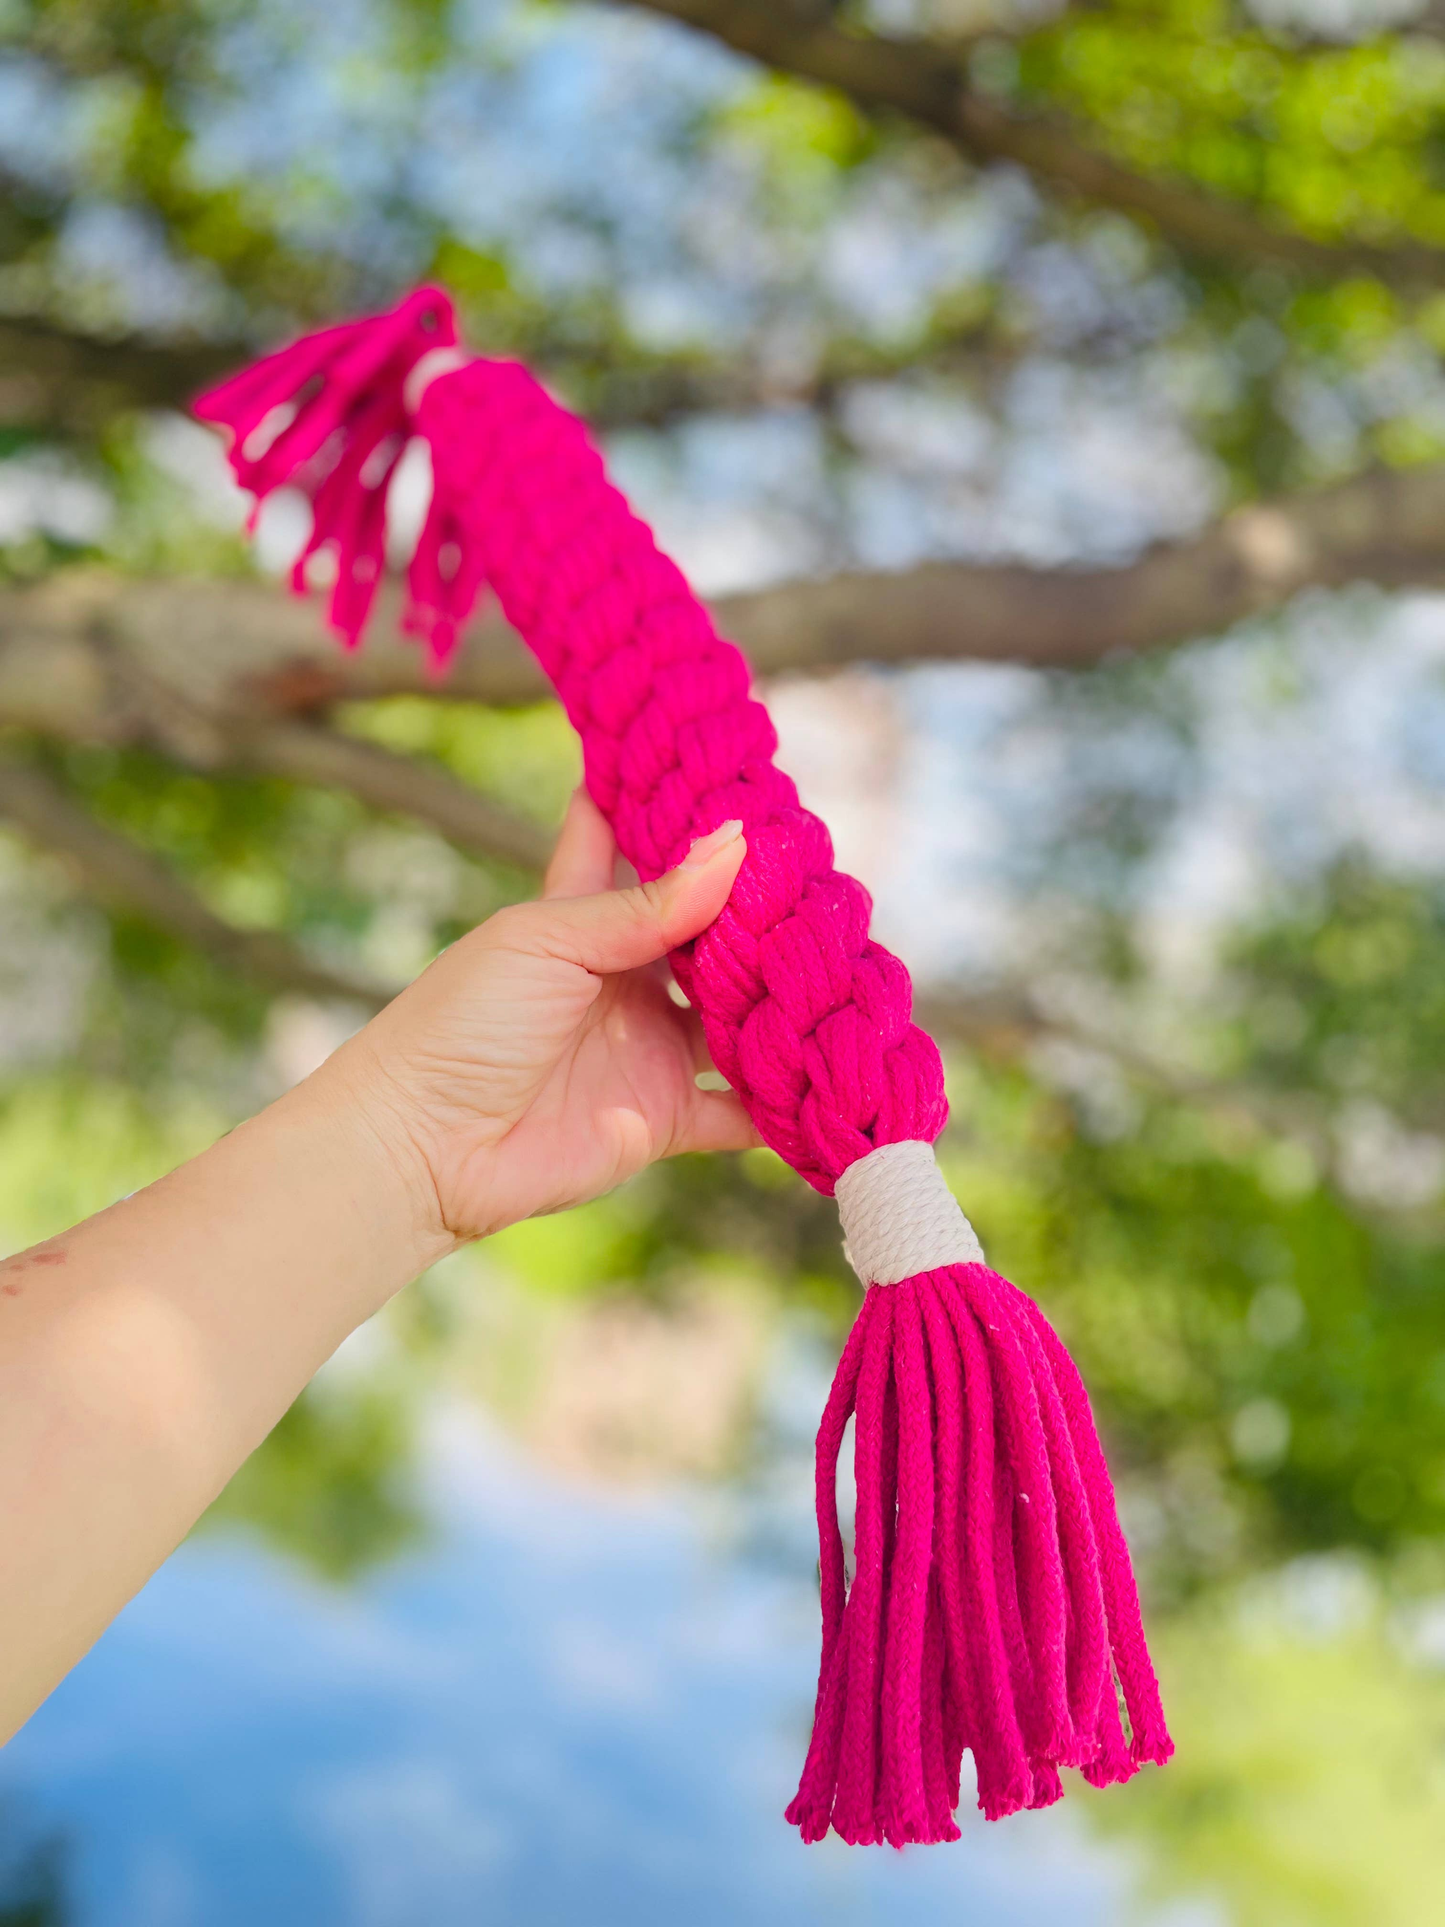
x=146 y=1353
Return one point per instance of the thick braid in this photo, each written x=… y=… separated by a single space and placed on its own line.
x=806 y=1017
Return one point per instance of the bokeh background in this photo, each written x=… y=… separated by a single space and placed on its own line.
x=1049 y=397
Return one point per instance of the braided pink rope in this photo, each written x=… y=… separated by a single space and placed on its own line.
x=805 y=1016
x=992 y=1605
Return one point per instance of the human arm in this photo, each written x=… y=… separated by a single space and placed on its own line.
x=145 y=1353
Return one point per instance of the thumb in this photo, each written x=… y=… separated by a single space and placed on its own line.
x=624 y=929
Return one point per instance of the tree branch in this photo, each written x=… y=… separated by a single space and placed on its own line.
x=272 y=724
x=312 y=753
x=926 y=81
x=72 y=381
x=126 y=878
x=1386 y=527
x=88 y=656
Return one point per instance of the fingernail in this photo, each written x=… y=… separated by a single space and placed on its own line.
x=707 y=847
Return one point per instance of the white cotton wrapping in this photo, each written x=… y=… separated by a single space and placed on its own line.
x=899 y=1216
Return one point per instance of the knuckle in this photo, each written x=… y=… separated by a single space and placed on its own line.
x=652 y=903
x=517 y=926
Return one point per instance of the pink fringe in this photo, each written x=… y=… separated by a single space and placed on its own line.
x=982 y=1616
x=326 y=415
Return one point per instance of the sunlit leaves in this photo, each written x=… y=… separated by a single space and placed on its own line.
x=1347 y=994
x=330 y=1487
x=1334 y=141
x=804 y=138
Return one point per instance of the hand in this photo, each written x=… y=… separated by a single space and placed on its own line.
x=540 y=1060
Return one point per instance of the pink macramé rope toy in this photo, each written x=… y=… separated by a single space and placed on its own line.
x=992 y=1606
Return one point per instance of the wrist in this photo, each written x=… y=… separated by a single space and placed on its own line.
x=355 y=1139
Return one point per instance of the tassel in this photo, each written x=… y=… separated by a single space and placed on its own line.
x=328 y=416
x=992 y=1606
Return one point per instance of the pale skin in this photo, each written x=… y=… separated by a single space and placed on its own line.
x=146 y=1353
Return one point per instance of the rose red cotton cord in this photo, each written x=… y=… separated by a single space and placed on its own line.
x=992 y=1606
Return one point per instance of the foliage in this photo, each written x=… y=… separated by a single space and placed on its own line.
x=331 y=1486
x=1310 y=1791
x=1332 y=141
x=32 y=1883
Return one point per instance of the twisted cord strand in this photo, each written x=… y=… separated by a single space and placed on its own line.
x=899 y=1217
x=854 y=1805
x=906 y=1818
x=1087 y=1653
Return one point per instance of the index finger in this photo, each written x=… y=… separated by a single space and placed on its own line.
x=583 y=862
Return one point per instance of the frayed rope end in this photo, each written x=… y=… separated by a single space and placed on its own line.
x=992 y=1607
x=329 y=416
